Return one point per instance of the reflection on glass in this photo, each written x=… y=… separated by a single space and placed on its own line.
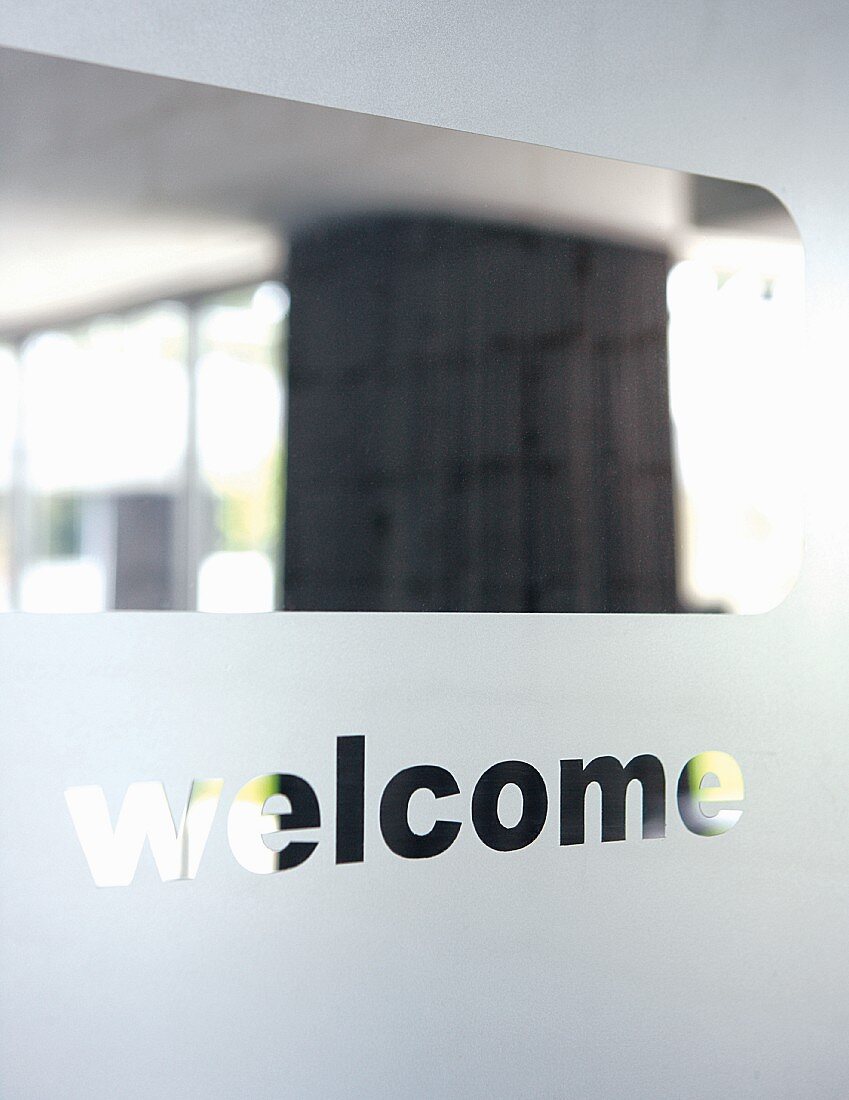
x=5 y=555
x=140 y=458
x=115 y=387
x=239 y=446
x=343 y=362
x=735 y=336
x=8 y=429
x=103 y=411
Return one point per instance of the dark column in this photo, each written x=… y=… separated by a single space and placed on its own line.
x=478 y=421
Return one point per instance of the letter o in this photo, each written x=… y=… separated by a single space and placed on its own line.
x=485 y=817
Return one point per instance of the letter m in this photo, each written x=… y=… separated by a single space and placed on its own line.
x=113 y=855
x=613 y=780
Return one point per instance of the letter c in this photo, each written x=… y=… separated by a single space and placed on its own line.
x=394 y=807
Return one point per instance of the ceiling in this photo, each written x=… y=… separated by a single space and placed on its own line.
x=118 y=186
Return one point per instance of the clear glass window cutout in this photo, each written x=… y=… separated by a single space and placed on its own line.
x=260 y=355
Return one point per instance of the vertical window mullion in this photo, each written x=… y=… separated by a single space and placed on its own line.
x=19 y=500
x=188 y=549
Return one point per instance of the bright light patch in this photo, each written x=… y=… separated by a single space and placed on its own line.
x=270 y=302
x=236 y=581
x=734 y=347
x=8 y=413
x=63 y=584
x=104 y=409
x=238 y=416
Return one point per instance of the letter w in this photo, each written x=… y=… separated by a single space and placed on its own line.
x=113 y=856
